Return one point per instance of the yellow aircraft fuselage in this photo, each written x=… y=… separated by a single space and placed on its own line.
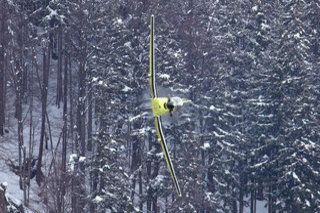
x=159 y=106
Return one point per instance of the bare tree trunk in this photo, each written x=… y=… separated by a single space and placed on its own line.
x=71 y=103
x=3 y=42
x=44 y=94
x=59 y=71
x=270 y=200
x=134 y=180
x=2 y=89
x=90 y=103
x=140 y=192
x=61 y=204
x=241 y=193
x=75 y=206
x=89 y=144
x=3 y=200
x=17 y=75
x=154 y=175
x=140 y=180
x=24 y=185
x=270 y=188
x=81 y=109
x=135 y=162
x=94 y=181
x=31 y=132
x=149 y=192
x=20 y=128
x=253 y=198
x=81 y=132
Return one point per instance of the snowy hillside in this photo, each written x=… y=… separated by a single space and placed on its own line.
x=77 y=126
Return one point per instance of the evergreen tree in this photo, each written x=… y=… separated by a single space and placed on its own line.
x=298 y=147
x=110 y=77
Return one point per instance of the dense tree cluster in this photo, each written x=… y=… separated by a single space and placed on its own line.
x=251 y=133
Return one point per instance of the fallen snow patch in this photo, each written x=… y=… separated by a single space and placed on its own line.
x=82 y=159
x=205 y=146
x=166 y=76
x=126 y=89
x=97 y=199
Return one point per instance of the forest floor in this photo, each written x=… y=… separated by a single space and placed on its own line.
x=9 y=154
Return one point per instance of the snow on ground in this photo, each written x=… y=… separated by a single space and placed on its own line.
x=260 y=206
x=9 y=144
x=9 y=151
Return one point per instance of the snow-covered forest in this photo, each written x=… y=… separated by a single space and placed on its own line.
x=76 y=129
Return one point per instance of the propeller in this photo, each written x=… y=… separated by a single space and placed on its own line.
x=170 y=105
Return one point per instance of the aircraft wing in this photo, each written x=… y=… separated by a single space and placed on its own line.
x=166 y=154
x=152 y=80
x=153 y=92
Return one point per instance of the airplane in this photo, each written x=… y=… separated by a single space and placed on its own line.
x=161 y=106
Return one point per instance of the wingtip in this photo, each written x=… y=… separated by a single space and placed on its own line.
x=187 y=101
